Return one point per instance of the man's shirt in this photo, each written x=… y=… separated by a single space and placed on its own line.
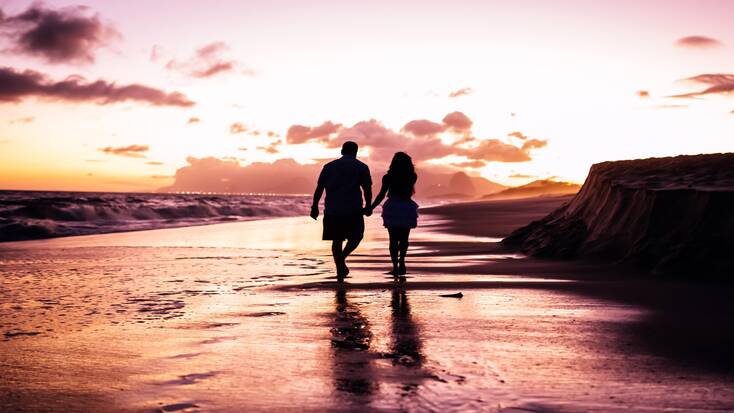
x=342 y=179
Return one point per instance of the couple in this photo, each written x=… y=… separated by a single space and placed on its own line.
x=346 y=181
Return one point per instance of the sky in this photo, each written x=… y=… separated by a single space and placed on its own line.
x=119 y=96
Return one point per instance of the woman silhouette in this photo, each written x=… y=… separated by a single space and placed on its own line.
x=400 y=212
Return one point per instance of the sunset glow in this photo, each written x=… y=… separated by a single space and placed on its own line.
x=549 y=87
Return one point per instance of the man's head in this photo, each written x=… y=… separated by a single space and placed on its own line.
x=350 y=148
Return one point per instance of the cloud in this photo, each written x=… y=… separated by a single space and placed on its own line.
x=719 y=83
x=289 y=176
x=465 y=91
x=193 y=120
x=517 y=134
x=162 y=176
x=420 y=139
x=237 y=127
x=301 y=134
x=471 y=164
x=521 y=176
x=642 y=94
x=531 y=144
x=154 y=163
x=27 y=119
x=272 y=148
x=423 y=127
x=207 y=62
x=384 y=142
x=671 y=106
x=498 y=151
x=458 y=121
x=697 y=42
x=220 y=175
x=131 y=151
x=66 y=35
x=16 y=86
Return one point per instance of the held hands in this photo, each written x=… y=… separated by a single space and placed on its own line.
x=367 y=211
x=314 y=211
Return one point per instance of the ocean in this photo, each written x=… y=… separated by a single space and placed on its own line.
x=27 y=215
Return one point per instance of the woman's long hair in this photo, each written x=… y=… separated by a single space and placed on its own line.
x=402 y=175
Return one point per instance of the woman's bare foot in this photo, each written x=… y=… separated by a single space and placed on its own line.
x=341 y=270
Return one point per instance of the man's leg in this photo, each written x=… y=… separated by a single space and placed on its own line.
x=336 y=252
x=352 y=244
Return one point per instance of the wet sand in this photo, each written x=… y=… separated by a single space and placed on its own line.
x=248 y=317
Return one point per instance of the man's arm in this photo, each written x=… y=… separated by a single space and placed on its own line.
x=367 y=191
x=316 y=198
x=317 y=195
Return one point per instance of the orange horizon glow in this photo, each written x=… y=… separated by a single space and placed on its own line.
x=549 y=87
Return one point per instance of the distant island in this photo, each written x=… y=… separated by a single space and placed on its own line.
x=536 y=188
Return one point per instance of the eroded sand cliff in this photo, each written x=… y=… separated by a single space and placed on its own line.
x=670 y=216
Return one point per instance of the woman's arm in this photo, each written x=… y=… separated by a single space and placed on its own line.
x=380 y=196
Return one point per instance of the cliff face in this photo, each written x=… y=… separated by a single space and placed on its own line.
x=671 y=216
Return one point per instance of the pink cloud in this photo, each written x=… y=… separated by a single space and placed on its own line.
x=698 y=42
x=16 y=86
x=458 y=121
x=423 y=127
x=207 y=62
x=420 y=139
x=719 y=83
x=465 y=91
x=301 y=134
x=498 y=151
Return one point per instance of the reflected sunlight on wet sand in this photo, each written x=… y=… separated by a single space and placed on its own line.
x=248 y=317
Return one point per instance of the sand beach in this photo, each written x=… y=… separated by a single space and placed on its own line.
x=248 y=316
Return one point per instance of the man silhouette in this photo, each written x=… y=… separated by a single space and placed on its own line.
x=345 y=180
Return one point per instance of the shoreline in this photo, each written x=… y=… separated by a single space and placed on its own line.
x=177 y=319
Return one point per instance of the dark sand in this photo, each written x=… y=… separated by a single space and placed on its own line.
x=248 y=317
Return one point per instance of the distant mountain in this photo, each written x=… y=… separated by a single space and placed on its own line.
x=458 y=185
x=536 y=188
x=286 y=176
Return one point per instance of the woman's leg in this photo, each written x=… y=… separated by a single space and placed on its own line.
x=403 y=249
x=394 y=249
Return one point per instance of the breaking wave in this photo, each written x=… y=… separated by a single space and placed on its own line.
x=26 y=215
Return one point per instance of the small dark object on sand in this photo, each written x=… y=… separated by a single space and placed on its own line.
x=457 y=295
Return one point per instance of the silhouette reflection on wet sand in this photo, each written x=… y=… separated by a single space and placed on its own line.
x=350 y=340
x=406 y=342
x=356 y=371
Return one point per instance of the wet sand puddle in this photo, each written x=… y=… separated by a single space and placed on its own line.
x=157 y=322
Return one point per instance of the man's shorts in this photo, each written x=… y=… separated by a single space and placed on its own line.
x=341 y=227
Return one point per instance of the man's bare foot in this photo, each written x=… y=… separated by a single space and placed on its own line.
x=402 y=270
